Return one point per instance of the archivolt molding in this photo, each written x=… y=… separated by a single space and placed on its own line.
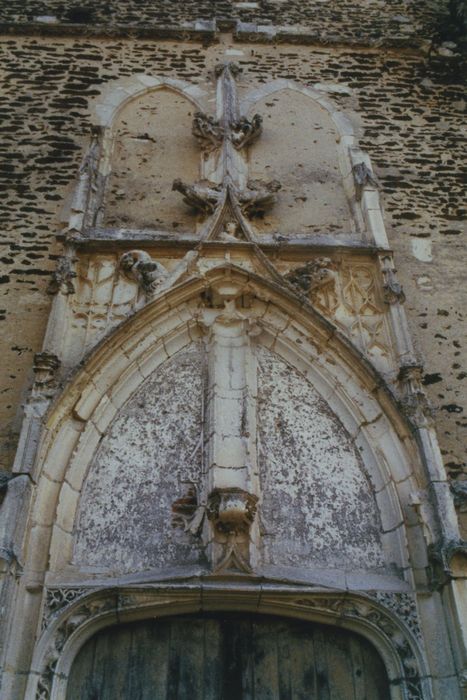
x=116 y=94
x=78 y=420
x=76 y=622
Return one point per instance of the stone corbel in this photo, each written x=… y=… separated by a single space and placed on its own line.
x=232 y=512
x=62 y=277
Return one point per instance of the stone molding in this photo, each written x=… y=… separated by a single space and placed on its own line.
x=84 y=615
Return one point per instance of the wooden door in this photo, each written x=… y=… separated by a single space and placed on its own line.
x=227 y=657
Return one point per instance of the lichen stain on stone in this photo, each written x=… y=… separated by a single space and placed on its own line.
x=124 y=518
x=317 y=507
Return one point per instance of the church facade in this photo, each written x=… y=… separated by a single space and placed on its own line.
x=229 y=476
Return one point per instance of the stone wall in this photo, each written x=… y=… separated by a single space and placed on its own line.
x=409 y=111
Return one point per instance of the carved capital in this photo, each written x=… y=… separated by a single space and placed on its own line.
x=62 y=277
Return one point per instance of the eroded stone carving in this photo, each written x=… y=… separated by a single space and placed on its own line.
x=314 y=275
x=62 y=277
x=363 y=177
x=45 y=367
x=187 y=513
x=245 y=131
x=140 y=267
x=392 y=289
x=231 y=509
x=202 y=197
x=67 y=627
x=440 y=555
x=230 y=232
x=208 y=132
x=258 y=197
x=459 y=491
x=404 y=606
x=414 y=402
x=232 y=512
x=5 y=478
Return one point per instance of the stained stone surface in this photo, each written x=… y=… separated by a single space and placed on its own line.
x=124 y=519
x=317 y=506
x=299 y=148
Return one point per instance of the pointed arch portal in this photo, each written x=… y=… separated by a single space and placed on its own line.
x=233 y=656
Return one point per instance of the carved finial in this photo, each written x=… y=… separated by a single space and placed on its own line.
x=140 y=267
x=62 y=277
